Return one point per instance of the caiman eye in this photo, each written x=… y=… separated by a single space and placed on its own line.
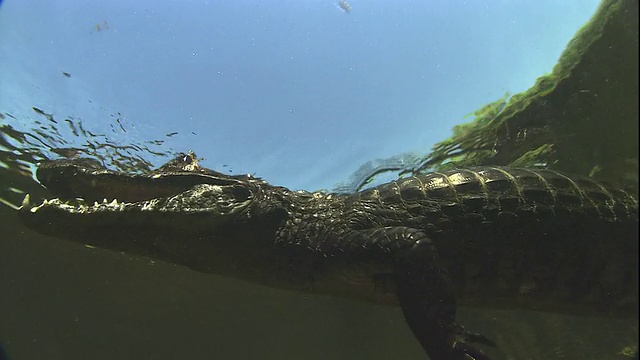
x=241 y=193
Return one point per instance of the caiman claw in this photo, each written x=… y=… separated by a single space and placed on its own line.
x=460 y=347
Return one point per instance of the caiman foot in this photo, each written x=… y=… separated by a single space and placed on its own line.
x=460 y=348
x=427 y=299
x=451 y=343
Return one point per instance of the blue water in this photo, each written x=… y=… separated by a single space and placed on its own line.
x=298 y=92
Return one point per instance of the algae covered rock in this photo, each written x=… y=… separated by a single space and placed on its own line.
x=581 y=118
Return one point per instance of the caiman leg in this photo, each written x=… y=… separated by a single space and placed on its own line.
x=428 y=302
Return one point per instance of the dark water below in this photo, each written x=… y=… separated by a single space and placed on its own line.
x=61 y=300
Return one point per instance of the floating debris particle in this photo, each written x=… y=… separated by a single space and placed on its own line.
x=344 y=6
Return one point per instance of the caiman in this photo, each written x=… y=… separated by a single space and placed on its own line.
x=489 y=236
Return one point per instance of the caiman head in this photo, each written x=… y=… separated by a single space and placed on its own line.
x=181 y=212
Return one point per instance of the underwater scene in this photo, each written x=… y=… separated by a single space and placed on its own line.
x=319 y=179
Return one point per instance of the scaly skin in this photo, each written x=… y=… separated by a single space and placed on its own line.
x=489 y=236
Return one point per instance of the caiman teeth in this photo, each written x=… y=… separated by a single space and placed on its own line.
x=72 y=206
x=35 y=208
x=76 y=205
x=25 y=203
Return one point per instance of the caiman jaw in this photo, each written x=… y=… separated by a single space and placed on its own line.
x=91 y=201
x=179 y=186
x=202 y=198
